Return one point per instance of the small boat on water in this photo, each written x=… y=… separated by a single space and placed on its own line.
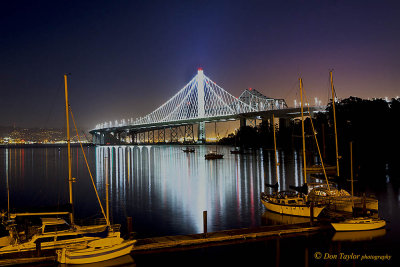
x=95 y=251
x=213 y=155
x=188 y=150
x=237 y=151
x=359 y=224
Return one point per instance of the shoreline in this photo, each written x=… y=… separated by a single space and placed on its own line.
x=42 y=145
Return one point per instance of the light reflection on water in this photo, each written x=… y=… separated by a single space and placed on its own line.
x=164 y=190
x=172 y=188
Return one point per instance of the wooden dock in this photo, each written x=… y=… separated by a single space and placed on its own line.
x=245 y=234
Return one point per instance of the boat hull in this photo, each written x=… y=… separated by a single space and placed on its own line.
x=293 y=210
x=93 y=255
x=351 y=226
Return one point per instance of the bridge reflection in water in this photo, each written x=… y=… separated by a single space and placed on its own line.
x=166 y=190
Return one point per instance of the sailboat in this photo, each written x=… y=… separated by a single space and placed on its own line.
x=110 y=247
x=320 y=168
x=214 y=154
x=51 y=233
x=337 y=199
x=290 y=202
x=358 y=223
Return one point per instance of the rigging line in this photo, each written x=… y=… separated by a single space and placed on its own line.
x=87 y=164
x=316 y=141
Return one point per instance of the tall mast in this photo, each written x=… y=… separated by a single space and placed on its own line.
x=69 y=150
x=351 y=176
x=107 y=185
x=276 y=160
x=334 y=123
x=8 y=185
x=351 y=171
x=302 y=132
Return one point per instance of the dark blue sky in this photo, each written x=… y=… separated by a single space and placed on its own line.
x=129 y=57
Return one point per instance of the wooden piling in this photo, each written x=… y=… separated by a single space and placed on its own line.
x=205 y=223
x=38 y=248
x=129 y=225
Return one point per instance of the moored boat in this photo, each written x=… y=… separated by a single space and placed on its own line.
x=188 y=150
x=291 y=203
x=359 y=224
x=213 y=155
x=96 y=251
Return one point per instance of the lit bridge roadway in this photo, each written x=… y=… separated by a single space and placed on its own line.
x=199 y=102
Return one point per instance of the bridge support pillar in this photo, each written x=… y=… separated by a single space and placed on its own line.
x=95 y=139
x=142 y=137
x=174 y=134
x=150 y=137
x=161 y=135
x=201 y=138
x=189 y=135
x=242 y=122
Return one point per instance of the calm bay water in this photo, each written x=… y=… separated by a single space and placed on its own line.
x=165 y=191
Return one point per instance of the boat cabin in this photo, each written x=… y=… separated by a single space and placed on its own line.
x=51 y=225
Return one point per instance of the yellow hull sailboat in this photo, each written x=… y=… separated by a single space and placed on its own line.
x=359 y=224
x=287 y=202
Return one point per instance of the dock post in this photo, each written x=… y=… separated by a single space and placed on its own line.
x=205 y=223
x=129 y=225
x=311 y=213
x=364 y=205
x=38 y=248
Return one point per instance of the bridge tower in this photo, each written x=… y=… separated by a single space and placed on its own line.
x=200 y=106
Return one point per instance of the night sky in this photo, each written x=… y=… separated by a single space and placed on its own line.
x=128 y=57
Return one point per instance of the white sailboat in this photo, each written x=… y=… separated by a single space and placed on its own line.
x=51 y=233
x=110 y=247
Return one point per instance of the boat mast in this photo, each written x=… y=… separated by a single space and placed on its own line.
x=302 y=132
x=351 y=173
x=69 y=151
x=8 y=186
x=334 y=123
x=107 y=185
x=276 y=160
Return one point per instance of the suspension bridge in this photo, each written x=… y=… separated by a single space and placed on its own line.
x=199 y=102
